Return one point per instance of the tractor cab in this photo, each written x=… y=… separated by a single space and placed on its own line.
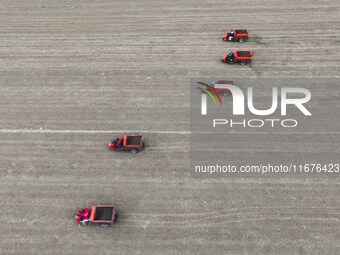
x=231 y=57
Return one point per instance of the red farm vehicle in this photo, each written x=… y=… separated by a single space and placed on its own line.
x=132 y=143
x=218 y=85
x=241 y=56
x=103 y=215
x=236 y=35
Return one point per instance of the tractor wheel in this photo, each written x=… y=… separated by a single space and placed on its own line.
x=134 y=151
x=86 y=223
x=116 y=217
x=242 y=63
x=104 y=225
x=241 y=40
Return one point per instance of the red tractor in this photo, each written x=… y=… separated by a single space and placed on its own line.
x=237 y=35
x=103 y=215
x=218 y=85
x=241 y=56
x=132 y=143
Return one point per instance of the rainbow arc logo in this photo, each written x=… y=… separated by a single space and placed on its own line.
x=211 y=92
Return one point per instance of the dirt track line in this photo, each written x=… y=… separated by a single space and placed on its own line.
x=174 y=132
x=65 y=131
